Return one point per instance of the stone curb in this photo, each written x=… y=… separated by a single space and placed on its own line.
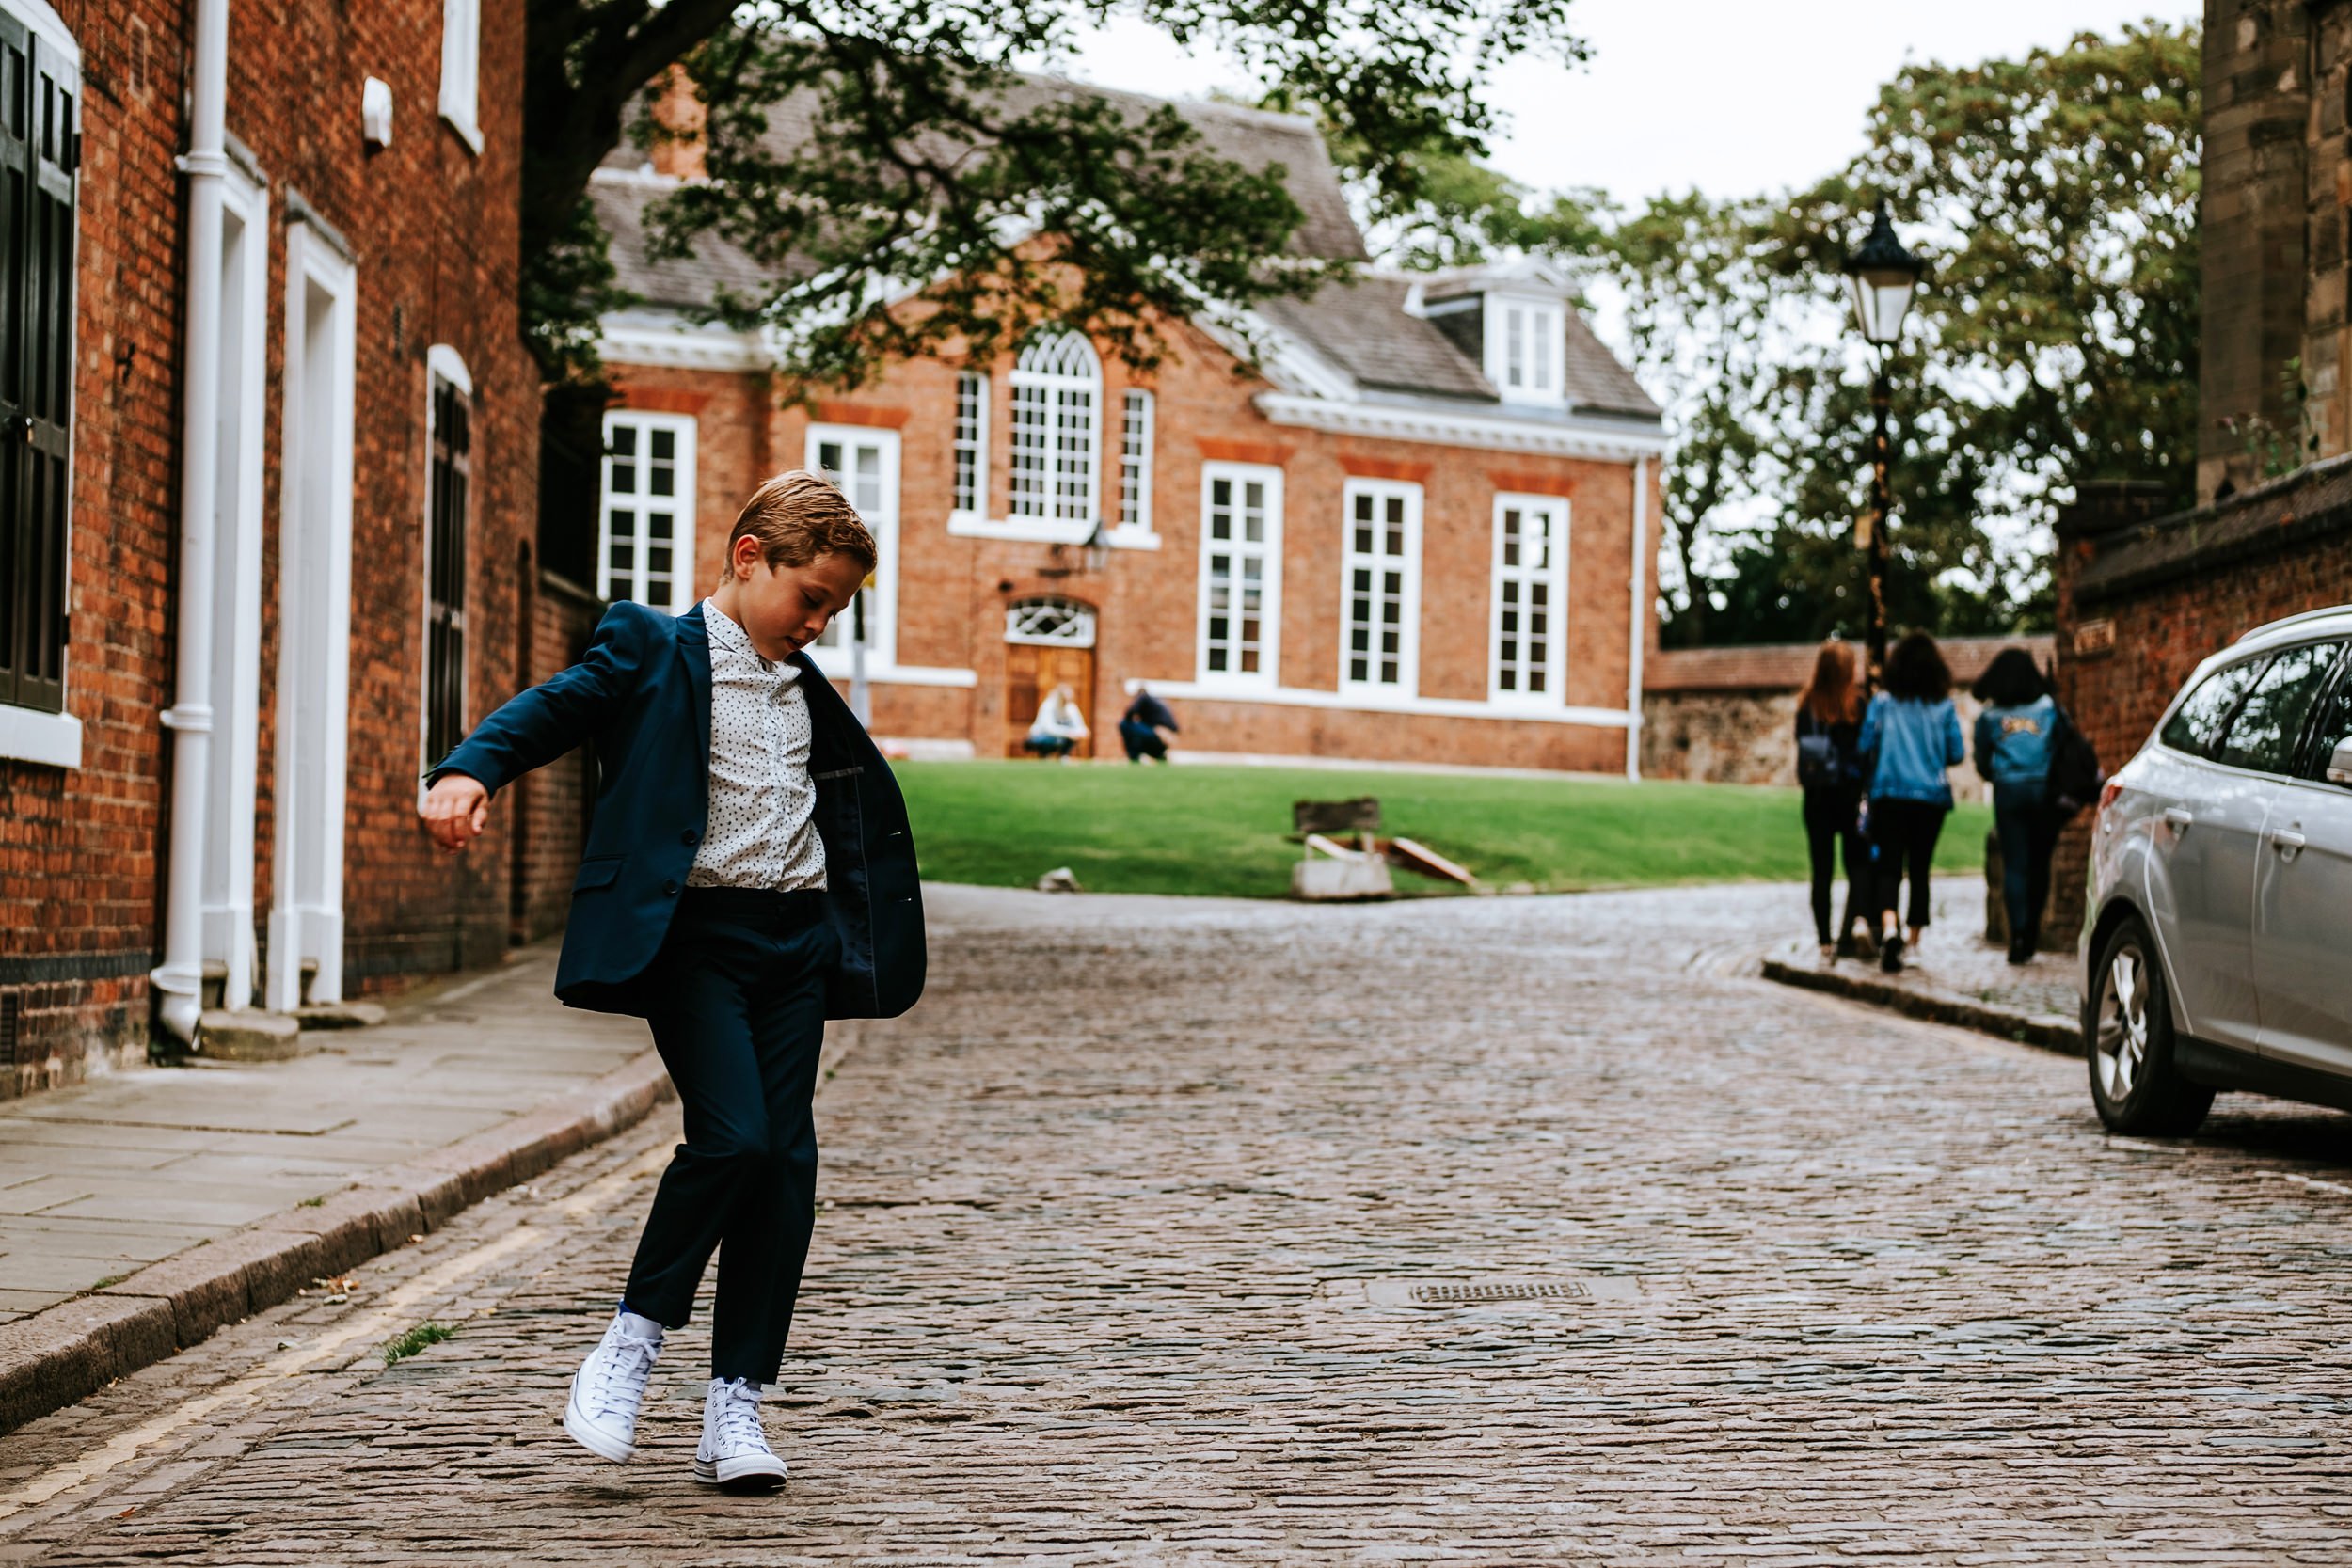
x=59 y=1355
x=2049 y=1031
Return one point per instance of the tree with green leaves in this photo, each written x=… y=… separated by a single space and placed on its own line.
x=2055 y=338
x=856 y=149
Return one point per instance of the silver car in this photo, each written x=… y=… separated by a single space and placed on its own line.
x=2218 y=954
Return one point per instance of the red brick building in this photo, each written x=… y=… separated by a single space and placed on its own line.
x=266 y=532
x=1417 y=529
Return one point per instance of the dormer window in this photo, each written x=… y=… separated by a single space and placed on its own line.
x=1524 y=347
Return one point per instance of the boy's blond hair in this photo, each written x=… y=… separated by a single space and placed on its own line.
x=797 y=517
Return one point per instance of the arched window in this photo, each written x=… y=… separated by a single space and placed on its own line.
x=1056 y=427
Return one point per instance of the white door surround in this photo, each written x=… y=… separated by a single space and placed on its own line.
x=233 y=760
x=305 y=921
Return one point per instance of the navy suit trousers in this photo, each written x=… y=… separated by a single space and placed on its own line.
x=737 y=1001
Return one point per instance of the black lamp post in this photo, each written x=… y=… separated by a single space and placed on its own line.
x=1883 y=276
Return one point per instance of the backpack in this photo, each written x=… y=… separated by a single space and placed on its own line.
x=2075 y=778
x=1820 y=763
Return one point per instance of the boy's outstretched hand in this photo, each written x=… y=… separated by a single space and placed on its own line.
x=454 y=811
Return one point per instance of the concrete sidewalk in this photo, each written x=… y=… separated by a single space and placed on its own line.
x=140 y=1211
x=1955 y=977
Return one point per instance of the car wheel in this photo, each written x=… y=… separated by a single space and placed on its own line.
x=2127 y=1033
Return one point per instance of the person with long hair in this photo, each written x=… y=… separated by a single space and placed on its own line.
x=2015 y=741
x=1829 y=770
x=1911 y=731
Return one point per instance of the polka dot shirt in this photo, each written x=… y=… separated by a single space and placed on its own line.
x=762 y=832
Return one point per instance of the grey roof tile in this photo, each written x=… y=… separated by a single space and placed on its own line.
x=1362 y=325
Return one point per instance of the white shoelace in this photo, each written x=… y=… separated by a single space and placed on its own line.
x=739 y=1431
x=618 y=1373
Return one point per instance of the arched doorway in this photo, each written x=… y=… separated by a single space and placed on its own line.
x=1049 y=642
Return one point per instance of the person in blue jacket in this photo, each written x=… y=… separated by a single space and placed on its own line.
x=1911 y=731
x=2016 y=735
x=747 y=874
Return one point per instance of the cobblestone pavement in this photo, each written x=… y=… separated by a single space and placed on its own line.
x=1117 y=1265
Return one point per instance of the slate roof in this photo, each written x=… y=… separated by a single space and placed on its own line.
x=1360 y=325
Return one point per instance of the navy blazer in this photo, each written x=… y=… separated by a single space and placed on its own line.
x=643 y=693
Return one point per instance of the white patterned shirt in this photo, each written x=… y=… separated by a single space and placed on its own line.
x=762 y=832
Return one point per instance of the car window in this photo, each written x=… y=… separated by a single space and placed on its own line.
x=2270 y=720
x=2335 y=727
x=2195 y=727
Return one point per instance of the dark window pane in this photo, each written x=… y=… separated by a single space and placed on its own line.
x=2270 y=720
x=624 y=441
x=2197 y=727
x=664 y=445
x=2335 y=727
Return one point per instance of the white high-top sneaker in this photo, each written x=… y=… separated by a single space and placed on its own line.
x=601 y=1414
x=734 y=1454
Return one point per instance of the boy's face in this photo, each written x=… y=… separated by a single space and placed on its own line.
x=785 y=609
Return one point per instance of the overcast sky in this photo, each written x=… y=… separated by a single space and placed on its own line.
x=1732 y=96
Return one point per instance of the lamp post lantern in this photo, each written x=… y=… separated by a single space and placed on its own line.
x=1882 y=276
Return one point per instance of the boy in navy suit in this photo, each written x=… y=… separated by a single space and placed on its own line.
x=747 y=874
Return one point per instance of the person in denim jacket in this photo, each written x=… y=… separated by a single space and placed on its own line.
x=1911 y=731
x=2015 y=739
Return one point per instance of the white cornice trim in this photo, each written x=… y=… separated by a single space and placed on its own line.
x=676 y=344
x=1569 y=438
x=1430 y=707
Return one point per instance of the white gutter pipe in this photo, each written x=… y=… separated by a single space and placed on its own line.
x=180 y=978
x=1642 y=614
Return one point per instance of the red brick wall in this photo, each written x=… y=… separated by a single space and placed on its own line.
x=2160 y=632
x=79 y=848
x=953 y=590
x=546 y=811
x=433 y=227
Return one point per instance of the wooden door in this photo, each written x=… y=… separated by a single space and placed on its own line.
x=1032 y=671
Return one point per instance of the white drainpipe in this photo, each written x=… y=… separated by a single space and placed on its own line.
x=1642 y=614
x=180 y=979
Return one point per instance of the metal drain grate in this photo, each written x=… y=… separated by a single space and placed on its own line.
x=1476 y=1291
x=1523 y=1289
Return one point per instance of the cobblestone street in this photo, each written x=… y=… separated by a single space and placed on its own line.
x=1121 y=1237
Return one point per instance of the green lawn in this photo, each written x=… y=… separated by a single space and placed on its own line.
x=1221 y=829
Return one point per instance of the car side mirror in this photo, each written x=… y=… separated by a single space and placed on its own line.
x=2340 y=765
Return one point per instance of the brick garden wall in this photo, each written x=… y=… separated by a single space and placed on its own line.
x=2141 y=603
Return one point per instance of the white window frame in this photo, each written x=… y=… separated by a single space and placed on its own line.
x=1554 y=578
x=1527 y=337
x=1138 y=417
x=1267 y=677
x=461 y=69
x=1408 y=588
x=685 y=588
x=881 y=601
x=1055 y=371
x=969 y=438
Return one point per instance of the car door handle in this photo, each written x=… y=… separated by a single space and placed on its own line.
x=2287 y=843
x=2180 y=816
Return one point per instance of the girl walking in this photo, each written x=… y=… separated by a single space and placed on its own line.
x=1829 y=770
x=1910 y=730
x=2016 y=736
